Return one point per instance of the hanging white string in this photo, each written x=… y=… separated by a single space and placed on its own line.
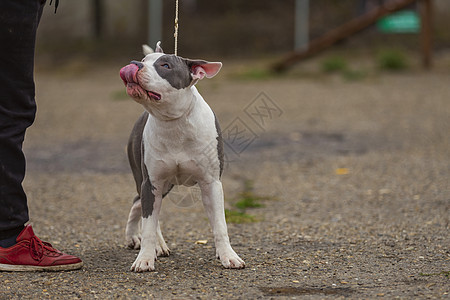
x=175 y=35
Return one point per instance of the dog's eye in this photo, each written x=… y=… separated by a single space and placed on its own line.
x=165 y=66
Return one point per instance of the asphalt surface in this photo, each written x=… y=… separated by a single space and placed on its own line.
x=354 y=176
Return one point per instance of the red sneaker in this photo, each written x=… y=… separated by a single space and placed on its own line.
x=31 y=254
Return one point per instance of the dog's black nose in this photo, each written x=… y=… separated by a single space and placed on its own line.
x=137 y=63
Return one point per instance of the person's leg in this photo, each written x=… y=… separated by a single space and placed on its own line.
x=20 y=249
x=18 y=24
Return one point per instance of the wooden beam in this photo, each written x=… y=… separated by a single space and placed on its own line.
x=426 y=33
x=333 y=36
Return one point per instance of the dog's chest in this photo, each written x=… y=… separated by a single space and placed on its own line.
x=181 y=153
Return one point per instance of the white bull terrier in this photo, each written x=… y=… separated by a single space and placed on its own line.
x=171 y=143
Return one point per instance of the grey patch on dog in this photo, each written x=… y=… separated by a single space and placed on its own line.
x=134 y=150
x=147 y=196
x=220 y=151
x=175 y=70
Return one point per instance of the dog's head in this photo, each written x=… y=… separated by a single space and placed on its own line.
x=163 y=83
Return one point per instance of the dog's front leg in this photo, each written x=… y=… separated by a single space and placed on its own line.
x=212 y=197
x=151 y=205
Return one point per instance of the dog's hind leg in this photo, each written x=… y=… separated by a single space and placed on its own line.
x=134 y=151
x=132 y=232
x=161 y=247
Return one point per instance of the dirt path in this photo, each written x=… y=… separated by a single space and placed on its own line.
x=355 y=177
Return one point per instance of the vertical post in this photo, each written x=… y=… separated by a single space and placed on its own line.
x=426 y=32
x=155 y=12
x=98 y=18
x=301 y=39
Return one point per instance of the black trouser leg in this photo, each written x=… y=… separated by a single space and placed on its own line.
x=18 y=24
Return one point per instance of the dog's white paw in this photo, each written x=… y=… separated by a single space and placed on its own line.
x=230 y=259
x=144 y=263
x=133 y=241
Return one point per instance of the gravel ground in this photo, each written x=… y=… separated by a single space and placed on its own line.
x=355 y=176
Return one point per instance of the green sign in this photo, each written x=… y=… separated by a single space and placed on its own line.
x=406 y=21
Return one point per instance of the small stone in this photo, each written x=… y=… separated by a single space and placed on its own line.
x=342 y=171
x=384 y=191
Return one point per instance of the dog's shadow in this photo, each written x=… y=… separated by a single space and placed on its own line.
x=120 y=258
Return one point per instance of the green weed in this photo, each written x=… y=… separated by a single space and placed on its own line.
x=334 y=64
x=353 y=75
x=238 y=217
x=445 y=273
x=392 y=60
x=248 y=202
x=253 y=74
x=247 y=199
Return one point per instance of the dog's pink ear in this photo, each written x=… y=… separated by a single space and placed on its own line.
x=201 y=69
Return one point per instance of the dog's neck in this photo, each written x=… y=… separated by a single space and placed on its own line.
x=166 y=114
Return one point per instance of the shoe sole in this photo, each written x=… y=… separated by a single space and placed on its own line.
x=26 y=268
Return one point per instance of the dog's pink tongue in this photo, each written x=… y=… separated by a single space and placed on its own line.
x=128 y=73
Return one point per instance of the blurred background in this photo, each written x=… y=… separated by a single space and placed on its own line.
x=211 y=29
